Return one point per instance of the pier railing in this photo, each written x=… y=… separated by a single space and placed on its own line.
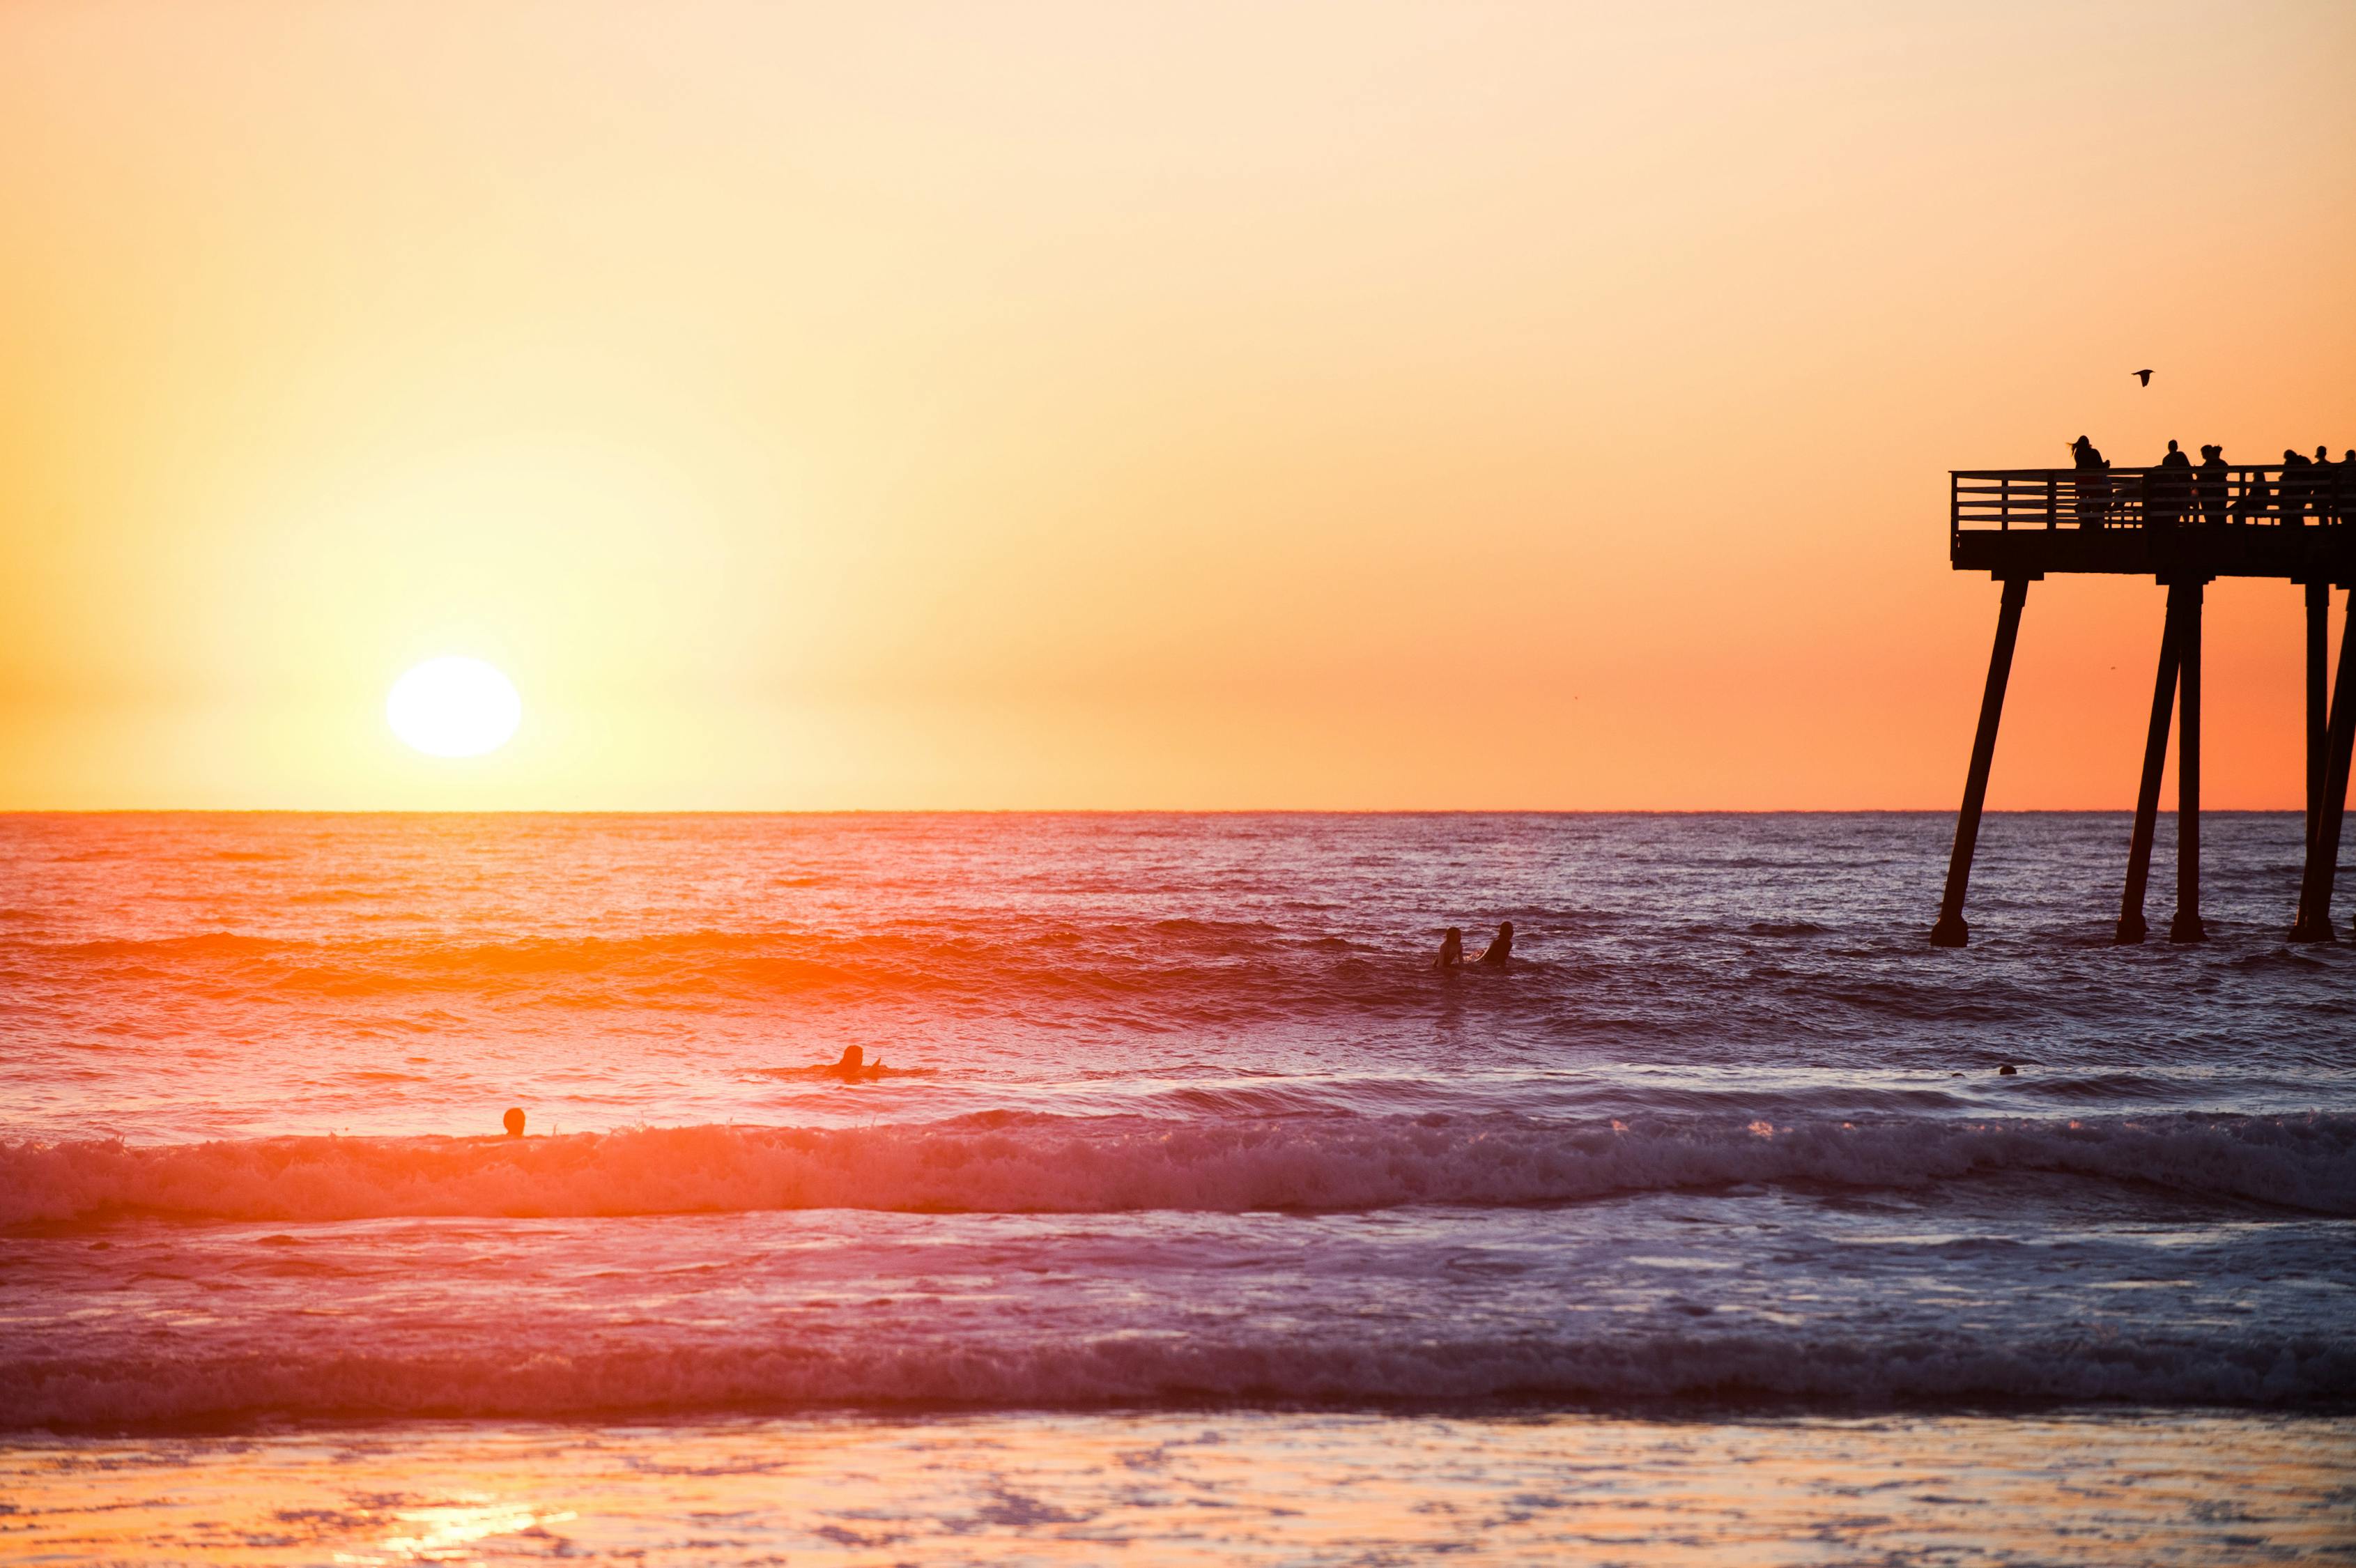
x=2268 y=495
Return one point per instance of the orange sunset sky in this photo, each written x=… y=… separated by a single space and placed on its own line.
x=1042 y=405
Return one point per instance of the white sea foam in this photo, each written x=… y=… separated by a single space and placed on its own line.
x=1044 y=1165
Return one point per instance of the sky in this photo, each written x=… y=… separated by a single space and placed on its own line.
x=1341 y=406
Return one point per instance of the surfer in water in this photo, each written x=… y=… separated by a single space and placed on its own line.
x=1502 y=948
x=851 y=1067
x=1451 y=950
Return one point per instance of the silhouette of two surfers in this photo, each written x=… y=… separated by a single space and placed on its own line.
x=1451 y=949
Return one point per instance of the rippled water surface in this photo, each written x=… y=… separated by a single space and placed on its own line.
x=1200 y=1489
x=1176 y=1117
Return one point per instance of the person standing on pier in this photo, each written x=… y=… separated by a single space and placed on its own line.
x=2093 y=483
x=2209 y=484
x=2168 y=492
x=2297 y=488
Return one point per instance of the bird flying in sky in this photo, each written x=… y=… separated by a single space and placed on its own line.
x=2144 y=376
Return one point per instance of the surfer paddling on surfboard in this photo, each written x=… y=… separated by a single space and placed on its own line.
x=850 y=1066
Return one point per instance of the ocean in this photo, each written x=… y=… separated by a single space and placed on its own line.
x=1195 y=1216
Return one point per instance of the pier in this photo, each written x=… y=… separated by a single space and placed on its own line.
x=2184 y=528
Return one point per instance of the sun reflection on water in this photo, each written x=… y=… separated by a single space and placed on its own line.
x=447 y=1532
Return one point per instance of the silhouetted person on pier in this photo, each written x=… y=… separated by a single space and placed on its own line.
x=2333 y=496
x=2346 y=489
x=2168 y=492
x=2093 y=483
x=1502 y=949
x=513 y=1121
x=2297 y=488
x=1451 y=950
x=2209 y=484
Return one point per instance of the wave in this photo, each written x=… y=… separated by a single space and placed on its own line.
x=536 y=1377
x=1209 y=970
x=1006 y=1163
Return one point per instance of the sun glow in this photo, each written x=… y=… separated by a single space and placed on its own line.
x=453 y=706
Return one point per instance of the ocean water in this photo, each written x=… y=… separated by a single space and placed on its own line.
x=1182 y=1148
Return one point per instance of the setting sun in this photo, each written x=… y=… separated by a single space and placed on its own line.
x=453 y=706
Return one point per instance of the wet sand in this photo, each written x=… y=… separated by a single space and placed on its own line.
x=1212 y=1488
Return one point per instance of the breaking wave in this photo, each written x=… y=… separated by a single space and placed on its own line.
x=542 y=1381
x=1002 y=1162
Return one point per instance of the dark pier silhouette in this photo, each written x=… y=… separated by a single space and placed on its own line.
x=2184 y=527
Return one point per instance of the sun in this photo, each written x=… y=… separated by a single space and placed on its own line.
x=453 y=706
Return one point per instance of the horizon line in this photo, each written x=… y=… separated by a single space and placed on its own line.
x=6 y=812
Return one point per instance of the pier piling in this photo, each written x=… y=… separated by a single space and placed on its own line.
x=2314 y=924
x=1951 y=931
x=2184 y=609
x=2132 y=928
x=2318 y=646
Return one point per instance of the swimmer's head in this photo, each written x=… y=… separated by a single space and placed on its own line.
x=513 y=1121
x=851 y=1057
x=1505 y=929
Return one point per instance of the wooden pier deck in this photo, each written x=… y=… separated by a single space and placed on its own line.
x=2184 y=528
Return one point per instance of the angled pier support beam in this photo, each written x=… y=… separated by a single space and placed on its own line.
x=2323 y=845
x=2184 y=609
x=2132 y=928
x=2318 y=640
x=1951 y=931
